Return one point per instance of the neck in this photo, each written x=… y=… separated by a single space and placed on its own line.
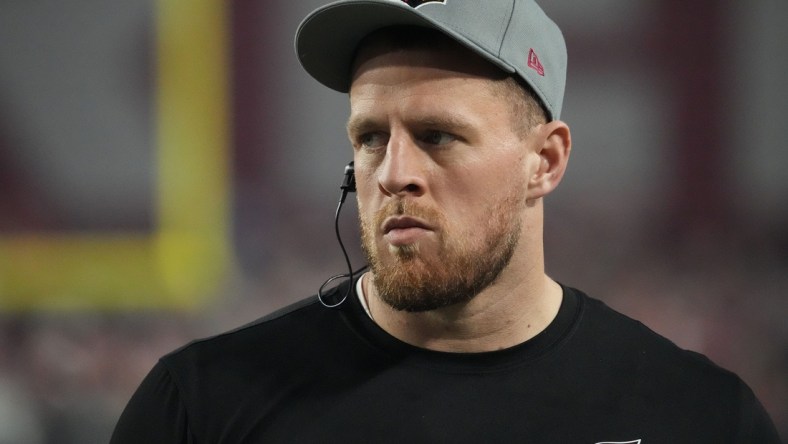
x=508 y=312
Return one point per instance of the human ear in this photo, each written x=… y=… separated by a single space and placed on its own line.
x=554 y=144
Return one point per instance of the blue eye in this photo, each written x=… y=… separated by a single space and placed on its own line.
x=438 y=138
x=372 y=140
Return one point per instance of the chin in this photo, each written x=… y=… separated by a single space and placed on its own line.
x=406 y=252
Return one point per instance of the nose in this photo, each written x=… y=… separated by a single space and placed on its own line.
x=402 y=171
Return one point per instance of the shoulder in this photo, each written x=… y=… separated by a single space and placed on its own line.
x=639 y=350
x=648 y=371
x=284 y=330
x=600 y=322
x=244 y=371
x=290 y=339
x=256 y=363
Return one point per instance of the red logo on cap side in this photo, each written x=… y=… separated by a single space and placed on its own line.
x=534 y=63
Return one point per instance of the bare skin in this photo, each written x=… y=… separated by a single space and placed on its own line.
x=427 y=128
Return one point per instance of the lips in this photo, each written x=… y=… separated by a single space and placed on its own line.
x=404 y=230
x=404 y=223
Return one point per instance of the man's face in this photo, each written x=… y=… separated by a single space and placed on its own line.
x=440 y=172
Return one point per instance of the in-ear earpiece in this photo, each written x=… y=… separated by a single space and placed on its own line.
x=349 y=183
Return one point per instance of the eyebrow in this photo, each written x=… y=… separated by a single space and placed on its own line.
x=447 y=121
x=360 y=125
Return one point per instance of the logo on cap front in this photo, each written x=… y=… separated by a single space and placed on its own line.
x=417 y=3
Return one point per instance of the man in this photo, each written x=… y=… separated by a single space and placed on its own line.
x=456 y=334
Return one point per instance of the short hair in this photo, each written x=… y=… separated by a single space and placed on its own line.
x=528 y=109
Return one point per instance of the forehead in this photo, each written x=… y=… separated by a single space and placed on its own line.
x=421 y=88
x=422 y=84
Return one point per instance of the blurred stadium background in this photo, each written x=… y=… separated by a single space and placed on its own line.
x=168 y=172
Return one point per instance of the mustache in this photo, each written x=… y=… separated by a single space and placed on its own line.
x=409 y=208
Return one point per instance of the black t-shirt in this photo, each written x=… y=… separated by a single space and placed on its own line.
x=309 y=374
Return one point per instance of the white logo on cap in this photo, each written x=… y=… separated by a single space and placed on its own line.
x=637 y=441
x=418 y=3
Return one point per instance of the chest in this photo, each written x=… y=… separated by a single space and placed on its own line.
x=414 y=405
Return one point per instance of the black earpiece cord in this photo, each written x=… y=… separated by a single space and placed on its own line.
x=347 y=186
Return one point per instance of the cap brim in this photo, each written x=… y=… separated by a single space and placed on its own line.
x=327 y=39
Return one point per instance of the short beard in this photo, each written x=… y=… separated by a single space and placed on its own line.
x=459 y=271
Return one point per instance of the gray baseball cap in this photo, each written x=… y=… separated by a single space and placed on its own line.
x=514 y=35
